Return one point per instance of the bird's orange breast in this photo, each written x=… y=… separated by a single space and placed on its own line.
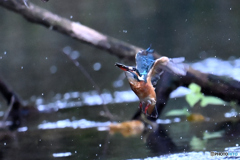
x=143 y=90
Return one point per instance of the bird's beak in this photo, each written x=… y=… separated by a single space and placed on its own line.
x=122 y=66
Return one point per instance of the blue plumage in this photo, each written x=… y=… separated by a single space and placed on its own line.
x=144 y=61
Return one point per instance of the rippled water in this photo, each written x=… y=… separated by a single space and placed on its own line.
x=61 y=129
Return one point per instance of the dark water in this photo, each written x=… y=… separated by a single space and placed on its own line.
x=71 y=122
x=67 y=133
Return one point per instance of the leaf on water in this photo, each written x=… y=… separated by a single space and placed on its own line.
x=192 y=98
x=206 y=100
x=128 y=128
x=195 y=117
x=178 y=112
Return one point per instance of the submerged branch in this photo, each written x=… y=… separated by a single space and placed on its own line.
x=98 y=89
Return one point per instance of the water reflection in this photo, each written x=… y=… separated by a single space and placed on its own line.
x=83 y=123
x=65 y=154
x=165 y=139
x=78 y=99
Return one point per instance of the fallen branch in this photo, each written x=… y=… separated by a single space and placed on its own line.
x=223 y=87
x=75 y=30
x=14 y=103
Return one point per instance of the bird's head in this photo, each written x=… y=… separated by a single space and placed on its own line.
x=132 y=73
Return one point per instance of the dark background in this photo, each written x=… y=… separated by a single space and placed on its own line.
x=193 y=29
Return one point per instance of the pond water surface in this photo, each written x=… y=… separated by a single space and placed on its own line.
x=61 y=129
x=69 y=121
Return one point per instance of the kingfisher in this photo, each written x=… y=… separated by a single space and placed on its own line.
x=144 y=77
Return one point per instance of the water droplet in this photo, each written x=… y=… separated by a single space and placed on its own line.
x=230 y=9
x=42 y=94
x=5 y=143
x=124 y=31
x=180 y=137
x=46 y=58
x=21 y=67
x=5 y=52
x=97 y=66
x=229 y=39
x=100 y=145
x=71 y=17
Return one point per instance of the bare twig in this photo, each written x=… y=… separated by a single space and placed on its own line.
x=86 y=74
x=7 y=112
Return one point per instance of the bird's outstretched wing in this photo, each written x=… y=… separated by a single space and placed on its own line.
x=172 y=65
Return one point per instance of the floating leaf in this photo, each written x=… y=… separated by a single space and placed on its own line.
x=195 y=117
x=128 y=128
x=192 y=98
x=206 y=100
x=178 y=112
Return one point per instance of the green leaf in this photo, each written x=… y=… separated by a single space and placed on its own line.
x=192 y=98
x=194 y=88
x=206 y=100
x=178 y=112
x=197 y=144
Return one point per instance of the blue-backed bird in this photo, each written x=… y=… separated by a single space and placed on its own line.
x=143 y=78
